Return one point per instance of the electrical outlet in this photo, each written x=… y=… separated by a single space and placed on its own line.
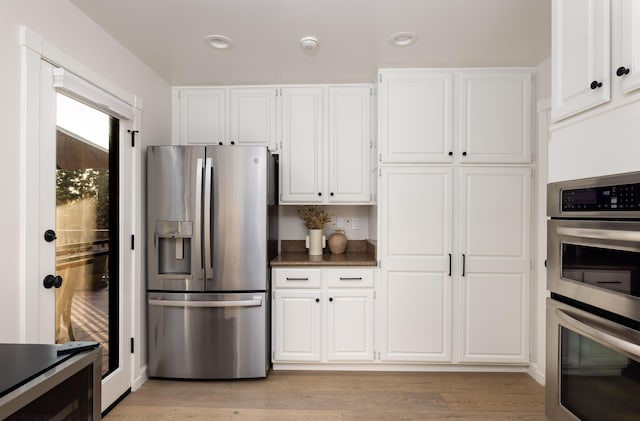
x=355 y=223
x=339 y=223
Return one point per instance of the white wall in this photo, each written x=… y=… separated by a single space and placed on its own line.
x=291 y=227
x=61 y=25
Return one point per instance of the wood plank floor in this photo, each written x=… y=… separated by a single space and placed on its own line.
x=345 y=396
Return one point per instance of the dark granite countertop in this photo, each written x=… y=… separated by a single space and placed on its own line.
x=294 y=253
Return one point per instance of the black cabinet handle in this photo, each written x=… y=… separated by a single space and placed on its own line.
x=449 y=264
x=330 y=298
x=595 y=84
x=220 y=143
x=319 y=193
x=233 y=143
x=622 y=71
x=464 y=153
x=317 y=300
x=331 y=193
x=450 y=153
x=297 y=279
x=464 y=264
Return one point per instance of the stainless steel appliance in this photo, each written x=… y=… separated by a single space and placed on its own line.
x=212 y=230
x=593 y=315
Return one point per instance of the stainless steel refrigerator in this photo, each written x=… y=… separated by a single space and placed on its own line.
x=212 y=230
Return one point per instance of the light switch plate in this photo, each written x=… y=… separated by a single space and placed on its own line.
x=355 y=223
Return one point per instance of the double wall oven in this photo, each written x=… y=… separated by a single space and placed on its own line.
x=593 y=314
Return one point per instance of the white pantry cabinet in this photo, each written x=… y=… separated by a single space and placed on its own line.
x=454 y=288
x=226 y=115
x=595 y=54
x=323 y=315
x=454 y=116
x=326 y=144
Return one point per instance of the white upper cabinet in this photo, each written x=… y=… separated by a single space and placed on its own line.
x=202 y=115
x=489 y=108
x=349 y=144
x=253 y=116
x=627 y=37
x=595 y=54
x=302 y=135
x=495 y=117
x=416 y=112
x=226 y=115
x=326 y=141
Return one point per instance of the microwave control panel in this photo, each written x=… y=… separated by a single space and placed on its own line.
x=624 y=197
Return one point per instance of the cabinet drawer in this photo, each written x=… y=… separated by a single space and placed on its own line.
x=349 y=278
x=297 y=278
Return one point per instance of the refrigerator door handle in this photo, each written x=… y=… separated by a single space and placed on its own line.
x=255 y=302
x=198 y=216
x=208 y=244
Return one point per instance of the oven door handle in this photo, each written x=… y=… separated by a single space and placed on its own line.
x=600 y=234
x=601 y=334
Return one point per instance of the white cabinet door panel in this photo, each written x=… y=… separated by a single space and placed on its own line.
x=630 y=44
x=495 y=321
x=495 y=219
x=253 y=116
x=297 y=329
x=495 y=117
x=416 y=316
x=416 y=116
x=350 y=325
x=202 y=115
x=302 y=133
x=580 y=52
x=349 y=144
x=416 y=218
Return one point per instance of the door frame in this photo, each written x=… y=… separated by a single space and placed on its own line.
x=36 y=320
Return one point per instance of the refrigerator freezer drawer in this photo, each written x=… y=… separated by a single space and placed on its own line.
x=208 y=336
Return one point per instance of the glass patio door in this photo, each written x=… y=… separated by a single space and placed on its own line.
x=86 y=227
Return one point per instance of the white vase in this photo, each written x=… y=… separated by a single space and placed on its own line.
x=315 y=242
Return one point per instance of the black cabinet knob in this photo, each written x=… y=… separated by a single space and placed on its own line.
x=233 y=143
x=621 y=71
x=220 y=143
x=595 y=84
x=52 y=281
x=49 y=236
x=464 y=153
x=331 y=299
x=317 y=300
x=319 y=193
x=331 y=193
x=450 y=153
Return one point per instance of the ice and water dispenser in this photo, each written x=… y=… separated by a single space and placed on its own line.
x=174 y=247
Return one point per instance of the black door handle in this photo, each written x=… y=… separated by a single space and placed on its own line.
x=464 y=261
x=621 y=71
x=449 y=264
x=595 y=84
x=52 y=281
x=49 y=236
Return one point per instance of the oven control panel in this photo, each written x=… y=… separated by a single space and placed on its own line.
x=623 y=197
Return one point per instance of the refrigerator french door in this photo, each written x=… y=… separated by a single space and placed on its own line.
x=211 y=234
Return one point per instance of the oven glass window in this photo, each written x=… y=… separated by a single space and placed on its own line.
x=597 y=383
x=615 y=270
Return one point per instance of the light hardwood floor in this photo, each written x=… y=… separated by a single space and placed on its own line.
x=356 y=396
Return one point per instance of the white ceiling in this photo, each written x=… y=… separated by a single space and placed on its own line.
x=168 y=35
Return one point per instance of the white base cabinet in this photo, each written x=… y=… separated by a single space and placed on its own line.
x=323 y=315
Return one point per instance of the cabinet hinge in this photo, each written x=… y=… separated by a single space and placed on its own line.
x=273 y=356
x=273 y=295
x=380 y=78
x=370 y=91
x=379 y=172
x=379 y=264
x=380 y=157
x=374 y=294
x=133 y=242
x=132 y=346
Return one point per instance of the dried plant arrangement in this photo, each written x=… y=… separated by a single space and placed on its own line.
x=313 y=216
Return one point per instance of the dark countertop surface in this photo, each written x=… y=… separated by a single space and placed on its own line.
x=357 y=253
x=20 y=363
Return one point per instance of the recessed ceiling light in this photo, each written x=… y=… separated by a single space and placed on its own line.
x=219 y=42
x=402 y=39
x=309 y=43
